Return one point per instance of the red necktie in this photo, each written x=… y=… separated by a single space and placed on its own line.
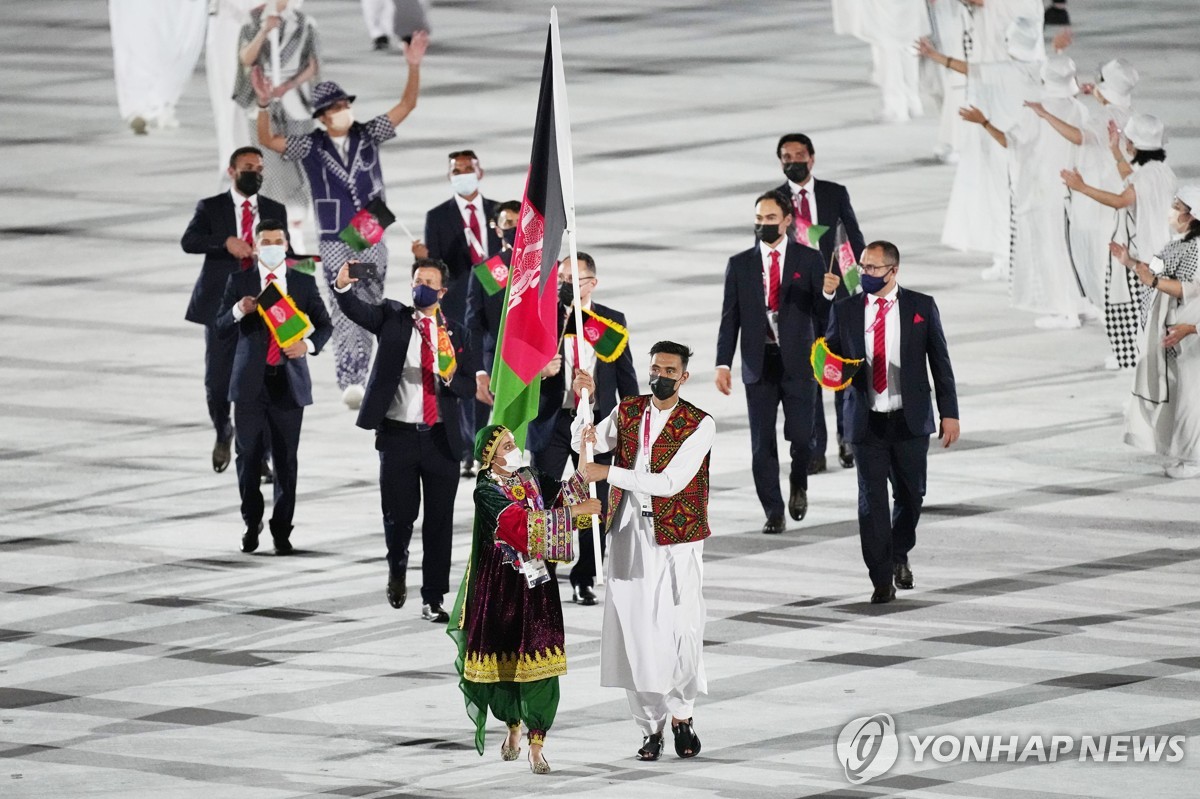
x=274 y=354
x=879 y=360
x=247 y=230
x=474 y=225
x=429 y=395
x=802 y=207
x=773 y=282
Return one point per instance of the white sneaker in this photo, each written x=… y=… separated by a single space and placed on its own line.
x=353 y=396
x=994 y=273
x=1110 y=363
x=1184 y=470
x=1068 y=322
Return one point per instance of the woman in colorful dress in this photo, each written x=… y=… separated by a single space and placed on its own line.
x=507 y=620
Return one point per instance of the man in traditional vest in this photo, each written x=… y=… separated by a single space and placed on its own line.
x=657 y=522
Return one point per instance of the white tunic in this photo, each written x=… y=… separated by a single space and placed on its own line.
x=654 y=611
x=947 y=18
x=890 y=27
x=1143 y=227
x=156 y=44
x=1092 y=223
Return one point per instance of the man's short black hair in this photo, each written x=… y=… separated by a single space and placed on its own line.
x=511 y=205
x=243 y=151
x=890 y=251
x=270 y=224
x=779 y=198
x=794 y=138
x=464 y=154
x=433 y=263
x=671 y=348
x=587 y=261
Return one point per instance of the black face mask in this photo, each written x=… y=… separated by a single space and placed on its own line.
x=566 y=294
x=509 y=236
x=767 y=233
x=248 y=183
x=663 y=388
x=796 y=171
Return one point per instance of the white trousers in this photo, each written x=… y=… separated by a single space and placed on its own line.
x=651 y=710
x=378 y=16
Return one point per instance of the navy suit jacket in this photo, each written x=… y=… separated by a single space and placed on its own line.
x=392 y=324
x=921 y=341
x=215 y=221
x=250 y=357
x=445 y=239
x=744 y=311
x=833 y=206
x=483 y=317
x=614 y=382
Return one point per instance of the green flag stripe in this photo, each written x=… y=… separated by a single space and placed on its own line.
x=354 y=239
x=484 y=275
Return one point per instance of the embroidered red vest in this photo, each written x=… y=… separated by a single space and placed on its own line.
x=680 y=519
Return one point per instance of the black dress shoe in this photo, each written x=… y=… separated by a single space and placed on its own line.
x=221 y=456
x=397 y=592
x=282 y=537
x=584 y=595
x=250 y=538
x=846 y=456
x=798 y=503
x=268 y=476
x=434 y=613
x=775 y=525
x=883 y=594
x=468 y=468
x=817 y=465
x=903 y=576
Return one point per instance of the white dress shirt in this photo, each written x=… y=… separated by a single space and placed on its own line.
x=890 y=399
x=342 y=145
x=238 y=199
x=811 y=195
x=587 y=360
x=477 y=204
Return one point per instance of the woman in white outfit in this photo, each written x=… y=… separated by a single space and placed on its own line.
x=1141 y=222
x=156 y=44
x=1164 y=411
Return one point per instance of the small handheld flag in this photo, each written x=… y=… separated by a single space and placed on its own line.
x=304 y=264
x=285 y=321
x=492 y=275
x=847 y=263
x=367 y=226
x=605 y=336
x=832 y=371
x=809 y=235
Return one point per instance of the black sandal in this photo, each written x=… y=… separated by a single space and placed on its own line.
x=652 y=746
x=686 y=739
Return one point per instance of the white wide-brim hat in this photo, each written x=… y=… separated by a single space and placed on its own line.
x=1024 y=39
x=1145 y=132
x=1190 y=196
x=1058 y=77
x=1117 y=79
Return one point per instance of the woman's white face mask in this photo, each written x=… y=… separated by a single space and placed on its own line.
x=511 y=461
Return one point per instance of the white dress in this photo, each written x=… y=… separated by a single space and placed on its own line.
x=947 y=19
x=225 y=21
x=890 y=27
x=654 y=610
x=156 y=44
x=1091 y=223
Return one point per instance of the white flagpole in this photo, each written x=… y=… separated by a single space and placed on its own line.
x=273 y=36
x=566 y=171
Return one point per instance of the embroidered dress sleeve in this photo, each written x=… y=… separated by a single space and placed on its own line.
x=380 y=129
x=534 y=534
x=297 y=148
x=679 y=471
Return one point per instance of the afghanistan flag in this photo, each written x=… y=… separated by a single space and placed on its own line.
x=492 y=275
x=831 y=371
x=367 y=226
x=285 y=321
x=304 y=264
x=809 y=235
x=447 y=362
x=606 y=337
x=847 y=263
x=529 y=325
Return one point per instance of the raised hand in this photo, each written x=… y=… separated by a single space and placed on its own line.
x=415 y=50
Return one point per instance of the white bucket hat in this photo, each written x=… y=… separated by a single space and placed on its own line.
x=1058 y=77
x=1145 y=132
x=1024 y=39
x=1117 y=79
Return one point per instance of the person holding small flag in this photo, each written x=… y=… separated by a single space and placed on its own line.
x=270 y=384
x=896 y=333
x=423 y=369
x=457 y=233
x=774 y=294
x=820 y=206
x=602 y=356
x=485 y=303
x=345 y=177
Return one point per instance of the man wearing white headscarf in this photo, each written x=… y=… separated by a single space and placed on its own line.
x=1091 y=224
x=225 y=20
x=1142 y=225
x=156 y=44
x=979 y=215
x=1043 y=277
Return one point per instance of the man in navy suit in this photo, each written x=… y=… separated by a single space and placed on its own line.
x=549 y=437
x=774 y=293
x=819 y=202
x=889 y=415
x=457 y=234
x=222 y=230
x=484 y=311
x=269 y=386
x=413 y=410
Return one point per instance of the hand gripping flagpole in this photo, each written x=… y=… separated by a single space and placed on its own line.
x=566 y=170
